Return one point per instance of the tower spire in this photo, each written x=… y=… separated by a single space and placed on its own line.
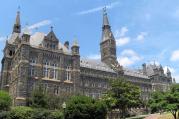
x=105 y=17
x=17 y=25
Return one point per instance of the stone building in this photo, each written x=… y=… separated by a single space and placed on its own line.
x=30 y=60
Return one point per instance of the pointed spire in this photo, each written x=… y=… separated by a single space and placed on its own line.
x=18 y=18
x=168 y=70
x=105 y=17
x=17 y=25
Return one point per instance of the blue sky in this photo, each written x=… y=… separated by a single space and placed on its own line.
x=145 y=30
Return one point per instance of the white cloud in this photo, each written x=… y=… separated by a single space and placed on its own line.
x=172 y=70
x=110 y=6
x=122 y=41
x=2 y=39
x=175 y=56
x=125 y=61
x=141 y=36
x=94 y=56
x=122 y=32
x=39 y=24
x=128 y=57
x=176 y=78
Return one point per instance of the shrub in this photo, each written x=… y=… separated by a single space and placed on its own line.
x=5 y=101
x=4 y=115
x=21 y=113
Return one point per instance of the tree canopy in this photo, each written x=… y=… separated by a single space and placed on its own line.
x=123 y=95
x=82 y=107
x=167 y=101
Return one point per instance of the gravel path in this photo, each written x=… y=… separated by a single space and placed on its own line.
x=152 y=116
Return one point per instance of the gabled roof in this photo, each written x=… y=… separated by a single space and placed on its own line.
x=37 y=39
x=51 y=36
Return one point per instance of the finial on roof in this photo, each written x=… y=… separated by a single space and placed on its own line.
x=104 y=11
x=51 y=28
x=105 y=17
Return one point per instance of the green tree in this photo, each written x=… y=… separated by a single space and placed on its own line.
x=5 y=101
x=172 y=100
x=82 y=107
x=124 y=95
x=157 y=102
x=168 y=101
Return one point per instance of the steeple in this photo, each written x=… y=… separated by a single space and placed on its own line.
x=106 y=28
x=108 y=43
x=17 y=25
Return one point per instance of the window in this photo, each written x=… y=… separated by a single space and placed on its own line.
x=54 y=71
x=33 y=60
x=45 y=72
x=32 y=71
x=55 y=74
x=56 y=89
x=68 y=73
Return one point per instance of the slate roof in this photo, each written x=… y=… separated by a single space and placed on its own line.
x=134 y=73
x=95 y=64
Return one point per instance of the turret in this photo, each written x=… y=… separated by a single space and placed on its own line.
x=76 y=66
x=75 y=48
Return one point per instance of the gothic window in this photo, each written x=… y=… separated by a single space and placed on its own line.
x=86 y=83
x=33 y=60
x=56 y=89
x=93 y=85
x=45 y=72
x=68 y=73
x=99 y=85
x=32 y=71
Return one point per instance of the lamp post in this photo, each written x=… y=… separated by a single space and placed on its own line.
x=64 y=107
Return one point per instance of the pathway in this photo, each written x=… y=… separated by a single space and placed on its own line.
x=153 y=116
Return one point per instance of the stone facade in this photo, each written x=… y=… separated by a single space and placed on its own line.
x=39 y=59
